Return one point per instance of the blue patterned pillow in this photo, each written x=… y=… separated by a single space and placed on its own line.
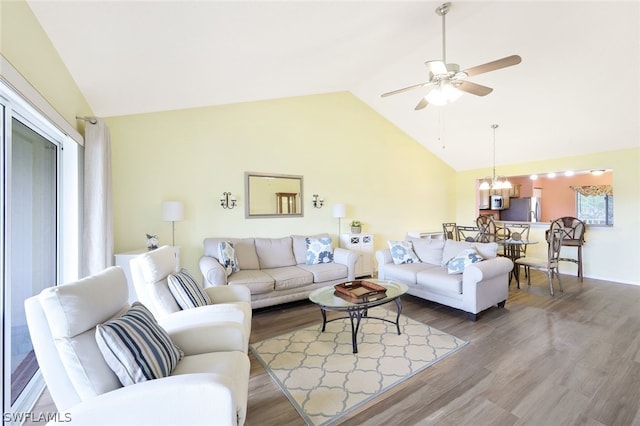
x=319 y=250
x=456 y=264
x=227 y=257
x=187 y=291
x=136 y=348
x=402 y=252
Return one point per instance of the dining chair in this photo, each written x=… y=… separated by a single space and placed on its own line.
x=548 y=265
x=450 y=232
x=573 y=230
x=487 y=228
x=519 y=232
x=468 y=233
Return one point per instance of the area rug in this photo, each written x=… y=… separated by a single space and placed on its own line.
x=324 y=379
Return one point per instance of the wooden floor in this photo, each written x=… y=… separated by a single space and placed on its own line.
x=571 y=359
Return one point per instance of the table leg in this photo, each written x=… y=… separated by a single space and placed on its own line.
x=357 y=314
x=324 y=319
x=399 y=306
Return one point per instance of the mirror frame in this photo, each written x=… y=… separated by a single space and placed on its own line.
x=247 y=194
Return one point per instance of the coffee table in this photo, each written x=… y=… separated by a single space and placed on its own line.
x=327 y=300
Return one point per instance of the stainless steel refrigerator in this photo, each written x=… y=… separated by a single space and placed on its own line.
x=526 y=209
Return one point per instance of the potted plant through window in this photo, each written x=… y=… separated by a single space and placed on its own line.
x=356 y=226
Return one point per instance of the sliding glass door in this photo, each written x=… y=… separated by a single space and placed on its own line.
x=36 y=189
x=33 y=239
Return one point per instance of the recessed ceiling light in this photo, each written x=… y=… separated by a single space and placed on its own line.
x=551 y=175
x=597 y=172
x=533 y=177
x=569 y=173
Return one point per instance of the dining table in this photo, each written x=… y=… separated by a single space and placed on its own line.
x=513 y=250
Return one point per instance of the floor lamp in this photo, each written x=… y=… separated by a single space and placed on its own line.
x=172 y=211
x=339 y=211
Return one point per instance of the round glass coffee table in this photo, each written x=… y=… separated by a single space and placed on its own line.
x=328 y=300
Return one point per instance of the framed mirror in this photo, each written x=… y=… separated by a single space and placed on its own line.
x=273 y=195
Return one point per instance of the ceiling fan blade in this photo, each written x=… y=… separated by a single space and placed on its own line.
x=437 y=67
x=423 y=103
x=474 y=88
x=404 y=89
x=494 y=65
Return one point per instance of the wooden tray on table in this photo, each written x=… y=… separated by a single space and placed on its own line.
x=360 y=291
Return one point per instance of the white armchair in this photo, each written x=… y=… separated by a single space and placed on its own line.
x=149 y=272
x=213 y=373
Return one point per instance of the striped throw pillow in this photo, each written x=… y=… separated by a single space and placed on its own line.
x=136 y=348
x=186 y=290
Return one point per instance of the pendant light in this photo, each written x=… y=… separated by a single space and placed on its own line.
x=494 y=182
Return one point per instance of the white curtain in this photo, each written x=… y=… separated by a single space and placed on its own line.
x=98 y=216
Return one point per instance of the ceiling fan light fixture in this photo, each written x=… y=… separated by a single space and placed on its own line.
x=444 y=94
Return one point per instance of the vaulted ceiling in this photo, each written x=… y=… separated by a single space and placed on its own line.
x=576 y=91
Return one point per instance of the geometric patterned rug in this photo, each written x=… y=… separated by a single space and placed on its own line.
x=324 y=379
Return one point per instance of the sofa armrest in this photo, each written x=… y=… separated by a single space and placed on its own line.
x=229 y=293
x=212 y=271
x=383 y=257
x=168 y=401
x=487 y=269
x=347 y=258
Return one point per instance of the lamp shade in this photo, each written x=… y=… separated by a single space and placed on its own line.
x=339 y=210
x=172 y=211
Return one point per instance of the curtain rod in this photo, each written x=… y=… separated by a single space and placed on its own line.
x=91 y=120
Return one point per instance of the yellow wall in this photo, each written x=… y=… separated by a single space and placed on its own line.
x=26 y=46
x=610 y=253
x=346 y=152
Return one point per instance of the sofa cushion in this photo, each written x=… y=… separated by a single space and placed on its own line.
x=227 y=257
x=326 y=271
x=275 y=252
x=244 y=248
x=438 y=280
x=402 y=252
x=452 y=248
x=300 y=246
x=187 y=291
x=407 y=272
x=289 y=277
x=466 y=257
x=136 y=348
x=428 y=250
x=319 y=250
x=255 y=280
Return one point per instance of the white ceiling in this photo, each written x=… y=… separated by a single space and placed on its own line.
x=576 y=91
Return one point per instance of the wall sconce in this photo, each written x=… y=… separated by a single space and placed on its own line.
x=227 y=201
x=317 y=202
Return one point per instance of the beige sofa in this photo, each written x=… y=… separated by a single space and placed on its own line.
x=480 y=286
x=274 y=269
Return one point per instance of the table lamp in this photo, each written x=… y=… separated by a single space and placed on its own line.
x=339 y=211
x=172 y=211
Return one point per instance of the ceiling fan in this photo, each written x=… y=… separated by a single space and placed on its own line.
x=448 y=81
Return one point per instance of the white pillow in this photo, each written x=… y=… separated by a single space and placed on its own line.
x=227 y=257
x=402 y=252
x=467 y=257
x=186 y=290
x=136 y=348
x=319 y=250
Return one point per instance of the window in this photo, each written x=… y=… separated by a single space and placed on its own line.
x=594 y=209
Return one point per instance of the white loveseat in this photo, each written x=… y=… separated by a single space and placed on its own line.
x=213 y=373
x=274 y=269
x=479 y=287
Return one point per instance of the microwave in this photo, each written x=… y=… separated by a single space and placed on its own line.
x=497 y=202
